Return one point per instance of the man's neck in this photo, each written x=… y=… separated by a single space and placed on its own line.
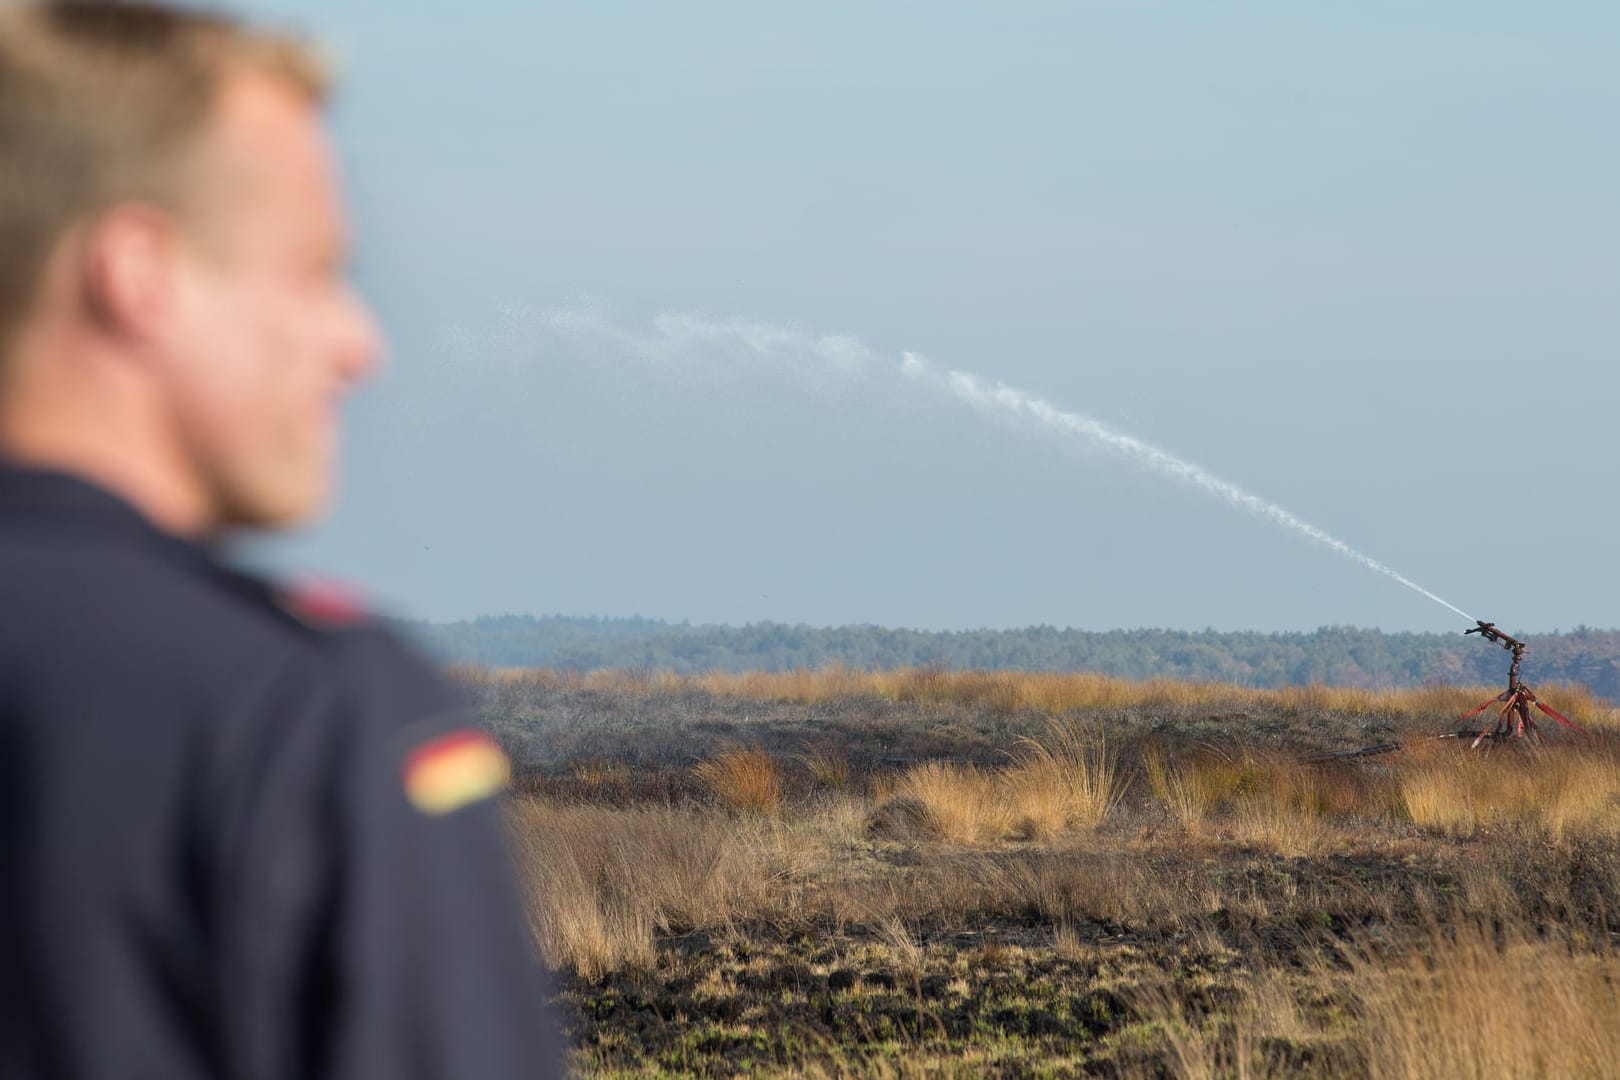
x=115 y=437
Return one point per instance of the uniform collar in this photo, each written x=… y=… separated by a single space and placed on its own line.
x=71 y=502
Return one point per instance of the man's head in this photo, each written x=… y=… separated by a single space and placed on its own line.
x=174 y=315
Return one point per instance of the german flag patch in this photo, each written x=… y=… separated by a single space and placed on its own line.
x=454 y=770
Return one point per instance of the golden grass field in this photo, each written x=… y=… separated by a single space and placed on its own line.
x=924 y=873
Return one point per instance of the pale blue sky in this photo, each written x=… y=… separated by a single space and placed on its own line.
x=1361 y=261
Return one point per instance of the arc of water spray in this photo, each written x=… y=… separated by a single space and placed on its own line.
x=1016 y=403
x=678 y=334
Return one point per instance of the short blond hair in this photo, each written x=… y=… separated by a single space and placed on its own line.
x=102 y=102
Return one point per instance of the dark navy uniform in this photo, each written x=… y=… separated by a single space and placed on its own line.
x=236 y=840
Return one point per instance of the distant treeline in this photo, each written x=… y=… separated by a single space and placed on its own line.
x=1336 y=656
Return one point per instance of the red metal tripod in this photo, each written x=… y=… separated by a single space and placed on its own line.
x=1514 y=719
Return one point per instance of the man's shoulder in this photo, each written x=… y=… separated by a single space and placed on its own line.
x=399 y=738
x=360 y=652
x=129 y=613
x=346 y=647
x=356 y=659
x=345 y=696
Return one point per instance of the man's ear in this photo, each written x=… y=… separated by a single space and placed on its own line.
x=130 y=272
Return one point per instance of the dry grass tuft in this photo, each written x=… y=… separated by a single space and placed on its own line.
x=1064 y=780
x=1241 y=1044
x=1270 y=801
x=1554 y=789
x=1066 y=943
x=743 y=780
x=900 y=946
x=1460 y=1001
x=827 y=764
x=602 y=882
x=956 y=803
x=1281 y=820
x=1184 y=790
x=599 y=777
x=1476 y=1003
x=1067 y=778
x=1038 y=806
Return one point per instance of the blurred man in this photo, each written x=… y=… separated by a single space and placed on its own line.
x=242 y=834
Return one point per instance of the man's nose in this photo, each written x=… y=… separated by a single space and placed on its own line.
x=361 y=352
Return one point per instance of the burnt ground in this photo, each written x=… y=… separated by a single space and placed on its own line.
x=1141 y=948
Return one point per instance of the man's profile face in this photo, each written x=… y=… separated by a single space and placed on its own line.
x=268 y=332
